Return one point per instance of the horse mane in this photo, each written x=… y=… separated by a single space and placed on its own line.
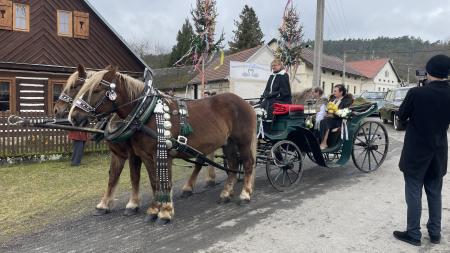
x=133 y=86
x=73 y=79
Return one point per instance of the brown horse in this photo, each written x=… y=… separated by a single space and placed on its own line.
x=120 y=152
x=224 y=120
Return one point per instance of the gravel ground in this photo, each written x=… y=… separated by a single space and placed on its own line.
x=332 y=210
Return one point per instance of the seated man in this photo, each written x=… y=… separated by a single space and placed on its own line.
x=342 y=100
x=278 y=89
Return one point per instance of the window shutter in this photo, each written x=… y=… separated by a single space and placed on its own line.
x=6 y=15
x=81 y=25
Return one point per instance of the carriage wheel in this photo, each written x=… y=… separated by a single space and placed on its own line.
x=284 y=166
x=370 y=146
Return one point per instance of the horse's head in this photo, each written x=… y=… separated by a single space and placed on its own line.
x=98 y=97
x=70 y=90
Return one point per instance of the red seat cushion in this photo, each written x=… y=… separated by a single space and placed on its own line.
x=281 y=109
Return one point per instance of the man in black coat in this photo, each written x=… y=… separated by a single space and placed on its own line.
x=425 y=149
x=278 y=88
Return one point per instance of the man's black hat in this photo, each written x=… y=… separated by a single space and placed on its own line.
x=438 y=66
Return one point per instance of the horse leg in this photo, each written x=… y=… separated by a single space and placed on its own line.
x=248 y=157
x=115 y=169
x=230 y=153
x=167 y=211
x=153 y=209
x=211 y=173
x=188 y=187
x=135 y=176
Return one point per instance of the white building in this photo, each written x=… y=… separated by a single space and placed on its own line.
x=245 y=73
x=381 y=74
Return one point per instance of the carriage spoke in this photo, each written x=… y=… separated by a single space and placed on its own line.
x=289 y=177
x=379 y=152
x=368 y=154
x=365 y=135
x=279 y=174
x=286 y=151
x=284 y=177
x=293 y=171
x=374 y=134
x=364 y=160
x=374 y=157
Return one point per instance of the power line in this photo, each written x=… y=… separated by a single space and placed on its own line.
x=339 y=21
x=331 y=21
x=341 y=8
x=403 y=52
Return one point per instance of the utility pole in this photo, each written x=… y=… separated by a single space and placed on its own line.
x=318 y=43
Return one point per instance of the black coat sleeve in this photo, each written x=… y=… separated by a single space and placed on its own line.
x=285 y=87
x=407 y=107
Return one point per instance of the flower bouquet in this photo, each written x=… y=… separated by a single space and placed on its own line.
x=332 y=108
x=343 y=113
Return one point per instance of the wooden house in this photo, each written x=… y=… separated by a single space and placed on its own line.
x=41 y=43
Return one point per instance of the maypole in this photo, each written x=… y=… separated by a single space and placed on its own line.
x=290 y=41
x=204 y=46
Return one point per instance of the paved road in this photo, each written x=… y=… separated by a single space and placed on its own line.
x=332 y=210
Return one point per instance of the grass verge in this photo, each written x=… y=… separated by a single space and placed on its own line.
x=34 y=195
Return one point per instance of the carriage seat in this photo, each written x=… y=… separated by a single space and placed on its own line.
x=291 y=109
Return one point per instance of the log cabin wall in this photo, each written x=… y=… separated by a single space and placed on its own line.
x=41 y=43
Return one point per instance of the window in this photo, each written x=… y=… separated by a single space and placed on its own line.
x=6 y=15
x=386 y=73
x=323 y=71
x=348 y=88
x=340 y=74
x=81 y=25
x=323 y=85
x=379 y=89
x=64 y=23
x=332 y=87
x=332 y=73
x=4 y=96
x=354 y=89
x=21 y=17
x=379 y=80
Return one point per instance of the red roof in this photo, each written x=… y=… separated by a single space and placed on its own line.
x=369 y=68
x=221 y=73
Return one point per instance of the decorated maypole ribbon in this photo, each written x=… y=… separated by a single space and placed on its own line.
x=290 y=41
x=204 y=47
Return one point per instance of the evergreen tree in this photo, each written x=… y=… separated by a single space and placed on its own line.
x=290 y=42
x=184 y=44
x=248 y=33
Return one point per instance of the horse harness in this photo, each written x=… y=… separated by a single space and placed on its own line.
x=151 y=102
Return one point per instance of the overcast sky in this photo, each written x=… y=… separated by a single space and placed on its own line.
x=158 y=21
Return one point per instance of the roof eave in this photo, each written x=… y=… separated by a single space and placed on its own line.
x=118 y=36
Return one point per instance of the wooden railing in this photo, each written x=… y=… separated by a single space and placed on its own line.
x=22 y=141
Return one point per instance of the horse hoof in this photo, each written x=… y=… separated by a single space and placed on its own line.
x=186 y=194
x=163 y=222
x=224 y=200
x=243 y=202
x=101 y=211
x=151 y=218
x=130 y=211
x=210 y=184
